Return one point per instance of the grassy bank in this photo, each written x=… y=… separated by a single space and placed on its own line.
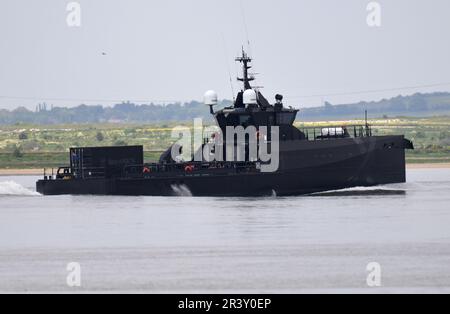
x=39 y=160
x=28 y=146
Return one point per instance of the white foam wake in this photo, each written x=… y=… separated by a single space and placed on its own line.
x=181 y=190
x=360 y=190
x=12 y=188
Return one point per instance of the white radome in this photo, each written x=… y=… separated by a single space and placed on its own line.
x=211 y=98
x=250 y=97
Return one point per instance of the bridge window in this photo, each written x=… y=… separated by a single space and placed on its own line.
x=285 y=118
x=244 y=120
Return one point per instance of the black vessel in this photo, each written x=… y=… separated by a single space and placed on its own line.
x=308 y=160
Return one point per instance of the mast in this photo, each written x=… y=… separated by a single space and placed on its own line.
x=246 y=78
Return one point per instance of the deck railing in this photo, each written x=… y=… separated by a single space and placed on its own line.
x=333 y=132
x=189 y=168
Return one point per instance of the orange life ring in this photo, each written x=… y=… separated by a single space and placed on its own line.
x=189 y=168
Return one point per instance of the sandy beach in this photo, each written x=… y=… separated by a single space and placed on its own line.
x=21 y=172
x=429 y=166
x=36 y=172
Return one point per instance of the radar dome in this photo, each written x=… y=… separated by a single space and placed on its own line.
x=250 y=97
x=211 y=98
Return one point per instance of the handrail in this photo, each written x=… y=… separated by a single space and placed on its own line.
x=199 y=167
x=332 y=132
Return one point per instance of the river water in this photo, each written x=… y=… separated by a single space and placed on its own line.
x=317 y=243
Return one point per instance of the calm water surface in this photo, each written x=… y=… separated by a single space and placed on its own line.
x=319 y=243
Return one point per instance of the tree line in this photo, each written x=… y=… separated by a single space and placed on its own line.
x=126 y=112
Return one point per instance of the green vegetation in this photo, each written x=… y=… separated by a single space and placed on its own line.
x=48 y=146
x=100 y=137
x=17 y=153
x=121 y=113
x=419 y=105
x=431 y=136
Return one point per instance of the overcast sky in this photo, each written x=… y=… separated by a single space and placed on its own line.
x=175 y=50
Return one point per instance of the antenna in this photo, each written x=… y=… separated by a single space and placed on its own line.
x=245 y=27
x=228 y=67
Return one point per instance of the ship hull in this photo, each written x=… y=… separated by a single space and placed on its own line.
x=305 y=167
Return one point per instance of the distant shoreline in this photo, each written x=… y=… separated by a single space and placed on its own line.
x=38 y=172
